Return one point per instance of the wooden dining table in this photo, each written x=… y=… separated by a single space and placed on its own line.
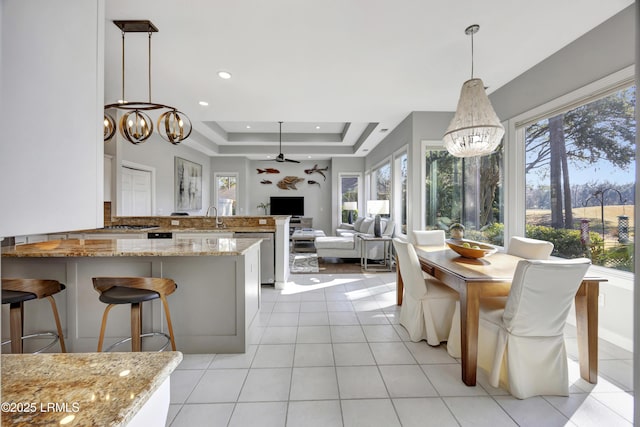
x=491 y=276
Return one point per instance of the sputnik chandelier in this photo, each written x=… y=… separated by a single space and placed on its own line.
x=135 y=125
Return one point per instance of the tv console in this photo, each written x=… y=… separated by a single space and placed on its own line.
x=297 y=222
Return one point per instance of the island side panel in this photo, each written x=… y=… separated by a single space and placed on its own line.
x=208 y=310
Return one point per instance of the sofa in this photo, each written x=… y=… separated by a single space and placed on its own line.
x=345 y=243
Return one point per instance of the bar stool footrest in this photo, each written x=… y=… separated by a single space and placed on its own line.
x=145 y=335
x=54 y=336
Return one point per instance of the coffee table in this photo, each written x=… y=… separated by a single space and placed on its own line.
x=306 y=236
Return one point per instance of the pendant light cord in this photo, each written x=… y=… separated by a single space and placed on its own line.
x=472 y=55
x=149 y=50
x=280 y=138
x=123 y=67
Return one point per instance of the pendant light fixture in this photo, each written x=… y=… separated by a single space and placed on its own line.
x=475 y=129
x=135 y=124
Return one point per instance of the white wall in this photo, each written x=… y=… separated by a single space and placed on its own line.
x=51 y=159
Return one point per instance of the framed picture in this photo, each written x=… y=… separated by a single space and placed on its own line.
x=188 y=185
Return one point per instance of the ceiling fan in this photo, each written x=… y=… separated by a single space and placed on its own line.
x=280 y=157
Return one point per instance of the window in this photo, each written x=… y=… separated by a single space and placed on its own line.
x=226 y=187
x=580 y=178
x=400 y=190
x=466 y=191
x=349 y=191
x=381 y=182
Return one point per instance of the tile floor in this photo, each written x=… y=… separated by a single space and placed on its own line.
x=329 y=351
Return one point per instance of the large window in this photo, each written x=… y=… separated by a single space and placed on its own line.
x=400 y=191
x=381 y=182
x=349 y=190
x=226 y=186
x=466 y=191
x=580 y=177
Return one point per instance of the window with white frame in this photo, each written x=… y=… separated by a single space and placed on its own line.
x=580 y=178
x=465 y=190
x=400 y=191
x=381 y=182
x=349 y=197
x=226 y=193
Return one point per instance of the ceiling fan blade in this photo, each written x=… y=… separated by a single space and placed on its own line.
x=291 y=160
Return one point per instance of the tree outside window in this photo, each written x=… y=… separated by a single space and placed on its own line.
x=580 y=178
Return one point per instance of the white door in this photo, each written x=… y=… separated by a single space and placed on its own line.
x=136 y=192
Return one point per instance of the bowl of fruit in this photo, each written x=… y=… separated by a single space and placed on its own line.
x=470 y=249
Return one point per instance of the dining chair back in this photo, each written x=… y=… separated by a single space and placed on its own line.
x=522 y=345
x=527 y=248
x=429 y=237
x=428 y=305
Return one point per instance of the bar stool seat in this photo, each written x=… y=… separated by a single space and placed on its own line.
x=134 y=290
x=15 y=292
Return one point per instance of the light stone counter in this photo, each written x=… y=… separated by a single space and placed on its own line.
x=131 y=247
x=86 y=389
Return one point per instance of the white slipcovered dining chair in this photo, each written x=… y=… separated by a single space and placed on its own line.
x=522 y=247
x=527 y=248
x=428 y=304
x=521 y=345
x=428 y=237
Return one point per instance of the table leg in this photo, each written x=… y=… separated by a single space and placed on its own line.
x=16 y=314
x=469 y=318
x=587 y=327
x=399 y=283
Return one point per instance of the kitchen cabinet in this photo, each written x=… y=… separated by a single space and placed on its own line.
x=54 y=77
x=203 y=235
x=102 y=236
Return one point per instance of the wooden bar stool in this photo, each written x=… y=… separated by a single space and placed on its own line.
x=15 y=292
x=134 y=291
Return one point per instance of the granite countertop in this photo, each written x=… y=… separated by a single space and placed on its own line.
x=96 y=389
x=131 y=247
x=265 y=229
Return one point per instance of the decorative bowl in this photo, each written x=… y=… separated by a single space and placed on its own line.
x=474 y=251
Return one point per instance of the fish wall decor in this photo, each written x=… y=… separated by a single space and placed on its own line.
x=316 y=169
x=267 y=170
x=289 y=182
x=312 y=182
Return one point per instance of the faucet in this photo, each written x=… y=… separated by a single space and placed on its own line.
x=219 y=222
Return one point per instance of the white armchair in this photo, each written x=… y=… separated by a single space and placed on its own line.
x=521 y=346
x=428 y=305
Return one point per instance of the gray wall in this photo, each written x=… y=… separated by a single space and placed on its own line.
x=317 y=198
x=160 y=154
x=602 y=51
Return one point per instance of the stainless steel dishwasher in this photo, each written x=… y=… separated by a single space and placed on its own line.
x=267 y=254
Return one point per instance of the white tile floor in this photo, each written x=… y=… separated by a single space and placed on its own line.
x=329 y=351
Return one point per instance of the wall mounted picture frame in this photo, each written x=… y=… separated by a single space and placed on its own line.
x=188 y=185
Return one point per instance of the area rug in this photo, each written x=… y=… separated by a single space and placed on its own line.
x=303 y=263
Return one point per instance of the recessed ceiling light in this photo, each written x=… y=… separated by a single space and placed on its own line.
x=268 y=157
x=248 y=127
x=317 y=127
x=308 y=157
x=224 y=74
x=203 y=103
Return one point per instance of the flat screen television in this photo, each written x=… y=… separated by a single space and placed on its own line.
x=293 y=206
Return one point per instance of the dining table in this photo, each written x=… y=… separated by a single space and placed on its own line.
x=491 y=276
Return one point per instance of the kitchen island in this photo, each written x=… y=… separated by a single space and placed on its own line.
x=217 y=299
x=87 y=389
